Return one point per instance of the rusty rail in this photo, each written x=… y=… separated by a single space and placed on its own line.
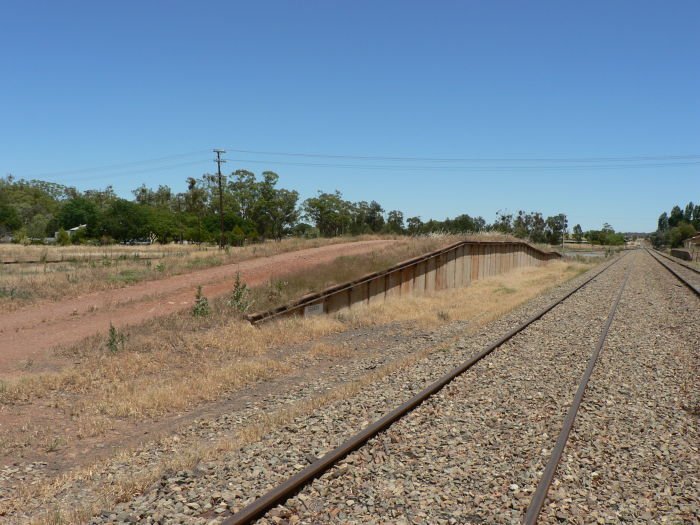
x=538 y=497
x=291 y=486
x=680 y=263
x=695 y=289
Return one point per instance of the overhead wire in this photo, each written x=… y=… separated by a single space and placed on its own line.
x=470 y=159
x=462 y=168
x=119 y=166
x=541 y=164
x=154 y=169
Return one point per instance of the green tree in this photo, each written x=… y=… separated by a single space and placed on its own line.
x=676 y=217
x=578 y=233
x=38 y=225
x=414 y=225
x=282 y=212
x=504 y=222
x=9 y=218
x=688 y=212
x=395 y=222
x=62 y=238
x=125 y=221
x=329 y=212
x=680 y=233
x=79 y=210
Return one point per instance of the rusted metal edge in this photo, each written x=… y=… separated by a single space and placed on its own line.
x=310 y=298
x=673 y=259
x=538 y=497
x=291 y=486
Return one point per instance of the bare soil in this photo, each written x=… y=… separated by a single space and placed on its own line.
x=27 y=336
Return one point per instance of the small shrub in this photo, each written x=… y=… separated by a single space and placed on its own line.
x=240 y=296
x=443 y=315
x=63 y=238
x=201 y=304
x=160 y=267
x=115 y=339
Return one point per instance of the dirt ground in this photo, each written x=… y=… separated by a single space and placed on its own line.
x=28 y=335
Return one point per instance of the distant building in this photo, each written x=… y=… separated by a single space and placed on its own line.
x=693 y=246
x=72 y=231
x=692 y=243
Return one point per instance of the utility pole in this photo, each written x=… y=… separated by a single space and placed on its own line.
x=218 y=161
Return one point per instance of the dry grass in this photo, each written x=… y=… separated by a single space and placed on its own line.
x=86 y=269
x=482 y=301
x=173 y=363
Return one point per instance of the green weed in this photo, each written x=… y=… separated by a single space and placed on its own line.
x=201 y=304
x=115 y=339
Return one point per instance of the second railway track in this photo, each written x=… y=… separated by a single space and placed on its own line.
x=687 y=275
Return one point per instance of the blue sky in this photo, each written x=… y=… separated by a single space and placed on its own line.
x=93 y=84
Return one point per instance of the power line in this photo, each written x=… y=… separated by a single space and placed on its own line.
x=123 y=173
x=472 y=159
x=465 y=168
x=122 y=170
x=111 y=167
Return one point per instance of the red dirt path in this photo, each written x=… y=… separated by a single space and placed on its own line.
x=31 y=333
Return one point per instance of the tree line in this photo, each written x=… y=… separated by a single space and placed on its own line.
x=254 y=208
x=678 y=225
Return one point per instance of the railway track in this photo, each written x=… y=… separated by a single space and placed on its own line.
x=677 y=261
x=494 y=440
x=687 y=275
x=291 y=486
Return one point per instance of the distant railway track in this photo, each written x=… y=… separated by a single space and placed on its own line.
x=687 y=275
x=295 y=483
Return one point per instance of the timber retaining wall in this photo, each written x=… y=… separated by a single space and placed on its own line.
x=451 y=267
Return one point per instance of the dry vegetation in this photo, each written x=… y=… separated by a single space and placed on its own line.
x=173 y=364
x=85 y=269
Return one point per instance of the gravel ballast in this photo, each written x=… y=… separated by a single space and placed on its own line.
x=633 y=455
x=218 y=487
x=471 y=454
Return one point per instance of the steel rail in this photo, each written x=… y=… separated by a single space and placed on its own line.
x=538 y=497
x=292 y=485
x=695 y=289
x=675 y=260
